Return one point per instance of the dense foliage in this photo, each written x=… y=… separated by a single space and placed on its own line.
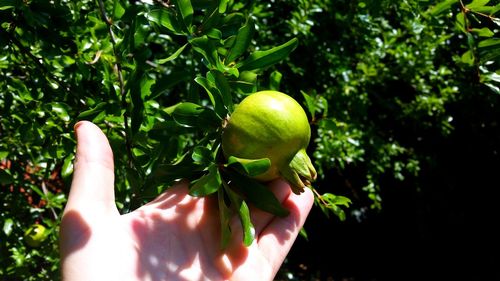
x=377 y=79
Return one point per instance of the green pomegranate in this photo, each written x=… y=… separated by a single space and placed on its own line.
x=271 y=124
x=35 y=235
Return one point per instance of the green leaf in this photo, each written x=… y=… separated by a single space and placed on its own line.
x=250 y=167
x=211 y=19
x=477 y=4
x=243 y=87
x=468 y=58
x=174 y=55
x=262 y=59
x=206 y=48
x=167 y=173
x=493 y=88
x=214 y=33
x=496 y=20
x=4 y=154
x=166 y=19
x=202 y=155
x=118 y=9
x=489 y=43
x=442 y=7
x=207 y=184
x=223 y=86
x=215 y=97
x=275 y=80
x=60 y=110
x=7 y=4
x=244 y=215
x=460 y=22
x=303 y=233
x=186 y=10
x=256 y=193
x=243 y=40
x=330 y=203
x=189 y=114
x=225 y=216
x=483 y=32
x=248 y=228
x=491 y=76
x=471 y=41
x=8 y=225
x=310 y=102
x=248 y=76
x=223 y=6
x=489 y=49
x=67 y=167
x=139 y=87
x=92 y=112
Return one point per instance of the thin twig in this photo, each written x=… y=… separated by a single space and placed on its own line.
x=326 y=204
x=118 y=69
x=46 y=192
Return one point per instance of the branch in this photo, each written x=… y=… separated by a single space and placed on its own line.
x=118 y=69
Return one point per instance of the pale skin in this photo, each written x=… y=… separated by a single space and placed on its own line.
x=174 y=237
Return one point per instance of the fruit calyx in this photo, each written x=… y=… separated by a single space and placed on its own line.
x=300 y=172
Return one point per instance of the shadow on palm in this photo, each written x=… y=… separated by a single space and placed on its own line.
x=178 y=237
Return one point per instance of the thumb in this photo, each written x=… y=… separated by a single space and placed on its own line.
x=92 y=188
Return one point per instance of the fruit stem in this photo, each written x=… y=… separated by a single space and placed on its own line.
x=319 y=196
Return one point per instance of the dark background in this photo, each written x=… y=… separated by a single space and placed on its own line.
x=446 y=229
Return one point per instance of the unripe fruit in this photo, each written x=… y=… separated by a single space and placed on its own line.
x=271 y=124
x=35 y=235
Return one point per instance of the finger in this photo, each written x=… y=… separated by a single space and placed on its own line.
x=92 y=188
x=260 y=218
x=278 y=237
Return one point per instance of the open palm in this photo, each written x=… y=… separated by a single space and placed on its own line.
x=174 y=237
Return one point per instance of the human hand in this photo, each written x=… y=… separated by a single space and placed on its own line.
x=174 y=237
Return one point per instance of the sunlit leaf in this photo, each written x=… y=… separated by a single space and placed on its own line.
x=240 y=206
x=206 y=48
x=7 y=4
x=223 y=6
x=275 y=80
x=202 y=155
x=207 y=184
x=483 y=32
x=477 y=4
x=241 y=42
x=93 y=111
x=187 y=11
x=442 y=7
x=174 y=55
x=250 y=167
x=223 y=86
x=468 y=58
x=8 y=225
x=262 y=59
x=215 y=97
x=67 y=167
